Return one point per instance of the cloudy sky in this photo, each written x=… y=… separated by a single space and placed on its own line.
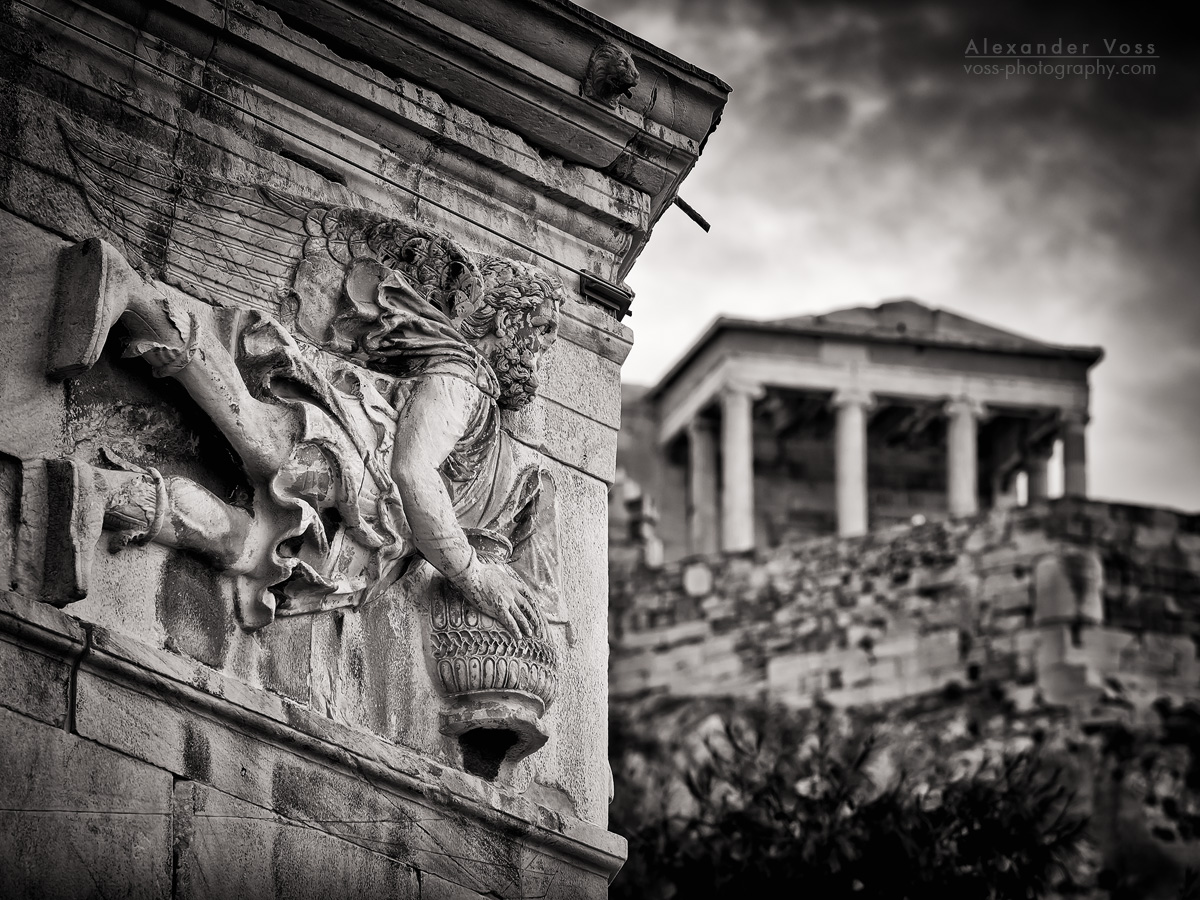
x=857 y=161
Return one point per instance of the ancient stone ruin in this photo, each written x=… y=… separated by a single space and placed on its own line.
x=850 y=518
x=839 y=423
x=1069 y=603
x=890 y=469
x=310 y=397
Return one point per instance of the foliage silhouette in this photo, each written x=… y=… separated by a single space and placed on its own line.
x=770 y=804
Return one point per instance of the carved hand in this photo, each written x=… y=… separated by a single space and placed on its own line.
x=496 y=591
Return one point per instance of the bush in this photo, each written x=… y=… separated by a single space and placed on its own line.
x=765 y=804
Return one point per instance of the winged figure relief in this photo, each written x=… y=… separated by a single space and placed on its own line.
x=356 y=363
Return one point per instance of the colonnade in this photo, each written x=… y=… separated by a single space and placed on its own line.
x=721 y=515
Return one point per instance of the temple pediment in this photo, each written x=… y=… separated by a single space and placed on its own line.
x=911 y=319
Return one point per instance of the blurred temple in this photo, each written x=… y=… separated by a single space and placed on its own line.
x=840 y=423
x=890 y=468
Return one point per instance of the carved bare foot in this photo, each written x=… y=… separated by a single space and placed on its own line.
x=498 y=592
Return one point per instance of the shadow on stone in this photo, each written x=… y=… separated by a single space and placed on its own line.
x=484 y=750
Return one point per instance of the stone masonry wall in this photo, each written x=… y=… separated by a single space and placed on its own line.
x=1067 y=600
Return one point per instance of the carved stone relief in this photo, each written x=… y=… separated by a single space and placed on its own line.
x=611 y=74
x=357 y=365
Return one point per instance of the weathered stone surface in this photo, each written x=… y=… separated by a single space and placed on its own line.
x=78 y=820
x=576 y=440
x=276 y=856
x=150 y=491
x=294 y=796
x=32 y=414
x=184 y=719
x=580 y=380
x=574 y=762
x=483 y=171
x=36 y=685
x=1056 y=594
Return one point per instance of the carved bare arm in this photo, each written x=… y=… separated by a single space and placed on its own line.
x=433 y=420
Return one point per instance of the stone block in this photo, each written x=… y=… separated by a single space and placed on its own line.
x=1068 y=684
x=1069 y=586
x=937 y=650
x=342 y=855
x=277 y=856
x=78 y=820
x=128 y=596
x=720 y=646
x=575 y=759
x=566 y=436
x=368 y=670
x=697 y=579
x=684 y=632
x=33 y=683
x=582 y=381
x=349 y=799
x=1155 y=537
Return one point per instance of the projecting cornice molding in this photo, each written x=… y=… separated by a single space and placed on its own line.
x=474 y=107
x=522 y=65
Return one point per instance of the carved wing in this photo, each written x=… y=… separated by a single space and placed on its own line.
x=252 y=246
x=216 y=240
x=437 y=266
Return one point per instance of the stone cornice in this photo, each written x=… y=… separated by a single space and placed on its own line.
x=498 y=93
x=677 y=407
x=725 y=324
x=520 y=64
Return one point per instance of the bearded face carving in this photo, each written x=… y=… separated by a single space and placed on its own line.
x=363 y=402
x=514 y=322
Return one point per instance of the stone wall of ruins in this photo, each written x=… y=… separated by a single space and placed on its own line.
x=1060 y=603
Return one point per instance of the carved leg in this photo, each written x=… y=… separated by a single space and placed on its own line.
x=97 y=287
x=138 y=508
x=175 y=512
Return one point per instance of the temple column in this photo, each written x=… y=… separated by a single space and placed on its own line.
x=851 y=461
x=703 y=533
x=1004 y=490
x=962 y=469
x=737 y=467
x=1074 y=443
x=1037 y=474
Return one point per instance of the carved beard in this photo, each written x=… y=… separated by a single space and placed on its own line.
x=514 y=365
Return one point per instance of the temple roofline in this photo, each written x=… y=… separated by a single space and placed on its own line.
x=1018 y=347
